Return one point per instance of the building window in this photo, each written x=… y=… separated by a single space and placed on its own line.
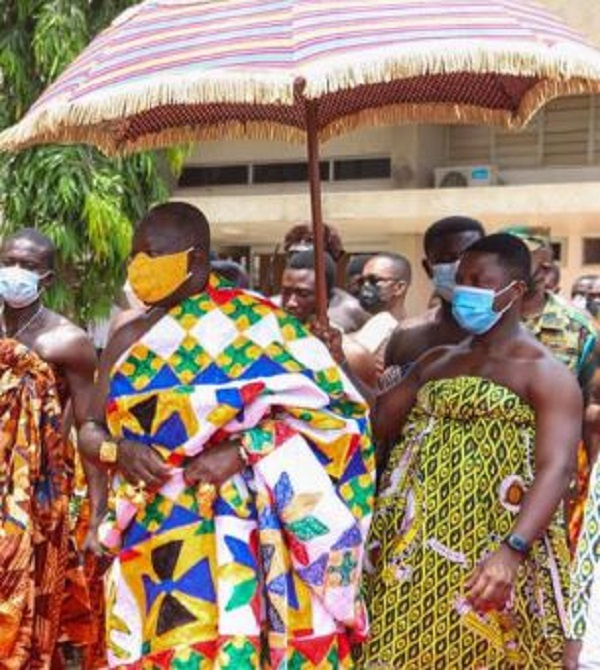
x=591 y=250
x=215 y=175
x=362 y=168
x=557 y=252
x=282 y=173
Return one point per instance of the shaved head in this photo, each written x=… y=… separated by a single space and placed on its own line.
x=397 y=265
x=35 y=239
x=173 y=227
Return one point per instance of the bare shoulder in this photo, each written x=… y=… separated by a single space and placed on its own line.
x=59 y=341
x=430 y=316
x=129 y=332
x=355 y=350
x=548 y=380
x=406 y=345
x=121 y=318
x=438 y=361
x=553 y=378
x=67 y=333
x=360 y=360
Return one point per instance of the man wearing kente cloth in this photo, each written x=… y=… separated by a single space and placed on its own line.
x=34 y=497
x=27 y=270
x=244 y=473
x=467 y=555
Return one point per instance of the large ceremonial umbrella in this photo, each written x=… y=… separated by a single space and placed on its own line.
x=172 y=71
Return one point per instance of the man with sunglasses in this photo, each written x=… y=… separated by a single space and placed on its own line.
x=383 y=284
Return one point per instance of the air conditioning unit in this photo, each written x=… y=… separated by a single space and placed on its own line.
x=466 y=176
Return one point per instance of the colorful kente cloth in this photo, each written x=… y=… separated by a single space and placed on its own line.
x=34 y=499
x=585 y=579
x=268 y=576
x=449 y=496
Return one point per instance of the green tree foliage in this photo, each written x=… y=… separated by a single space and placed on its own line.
x=86 y=203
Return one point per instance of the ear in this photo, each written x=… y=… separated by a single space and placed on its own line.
x=47 y=280
x=427 y=267
x=519 y=290
x=522 y=287
x=401 y=288
x=198 y=259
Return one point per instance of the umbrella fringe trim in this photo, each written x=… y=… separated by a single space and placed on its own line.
x=452 y=57
x=101 y=137
x=48 y=121
x=454 y=114
x=104 y=137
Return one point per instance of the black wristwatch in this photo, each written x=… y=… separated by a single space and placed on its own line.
x=518 y=544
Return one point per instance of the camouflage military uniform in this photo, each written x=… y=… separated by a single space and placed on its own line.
x=569 y=334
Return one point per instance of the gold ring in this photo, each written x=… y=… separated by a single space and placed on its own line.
x=205 y=497
x=136 y=493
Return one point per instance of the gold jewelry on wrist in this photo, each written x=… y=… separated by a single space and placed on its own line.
x=108 y=453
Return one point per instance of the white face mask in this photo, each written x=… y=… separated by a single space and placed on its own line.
x=303 y=245
x=19 y=287
x=444 y=279
x=580 y=301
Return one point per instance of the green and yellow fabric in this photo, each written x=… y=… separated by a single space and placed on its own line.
x=449 y=496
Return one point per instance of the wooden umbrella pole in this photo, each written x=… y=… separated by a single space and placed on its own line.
x=314 y=178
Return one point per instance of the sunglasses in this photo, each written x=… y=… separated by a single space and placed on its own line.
x=375 y=279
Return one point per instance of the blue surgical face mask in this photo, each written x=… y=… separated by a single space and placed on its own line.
x=19 y=287
x=473 y=308
x=444 y=279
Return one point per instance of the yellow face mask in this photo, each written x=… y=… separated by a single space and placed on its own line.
x=154 y=278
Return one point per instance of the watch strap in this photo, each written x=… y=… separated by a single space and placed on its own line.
x=517 y=543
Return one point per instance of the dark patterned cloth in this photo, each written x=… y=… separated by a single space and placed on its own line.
x=450 y=494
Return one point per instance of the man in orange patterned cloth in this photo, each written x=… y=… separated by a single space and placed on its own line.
x=34 y=504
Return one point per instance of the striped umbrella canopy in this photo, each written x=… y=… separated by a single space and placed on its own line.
x=172 y=71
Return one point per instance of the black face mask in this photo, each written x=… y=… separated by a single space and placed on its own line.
x=369 y=297
x=593 y=307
